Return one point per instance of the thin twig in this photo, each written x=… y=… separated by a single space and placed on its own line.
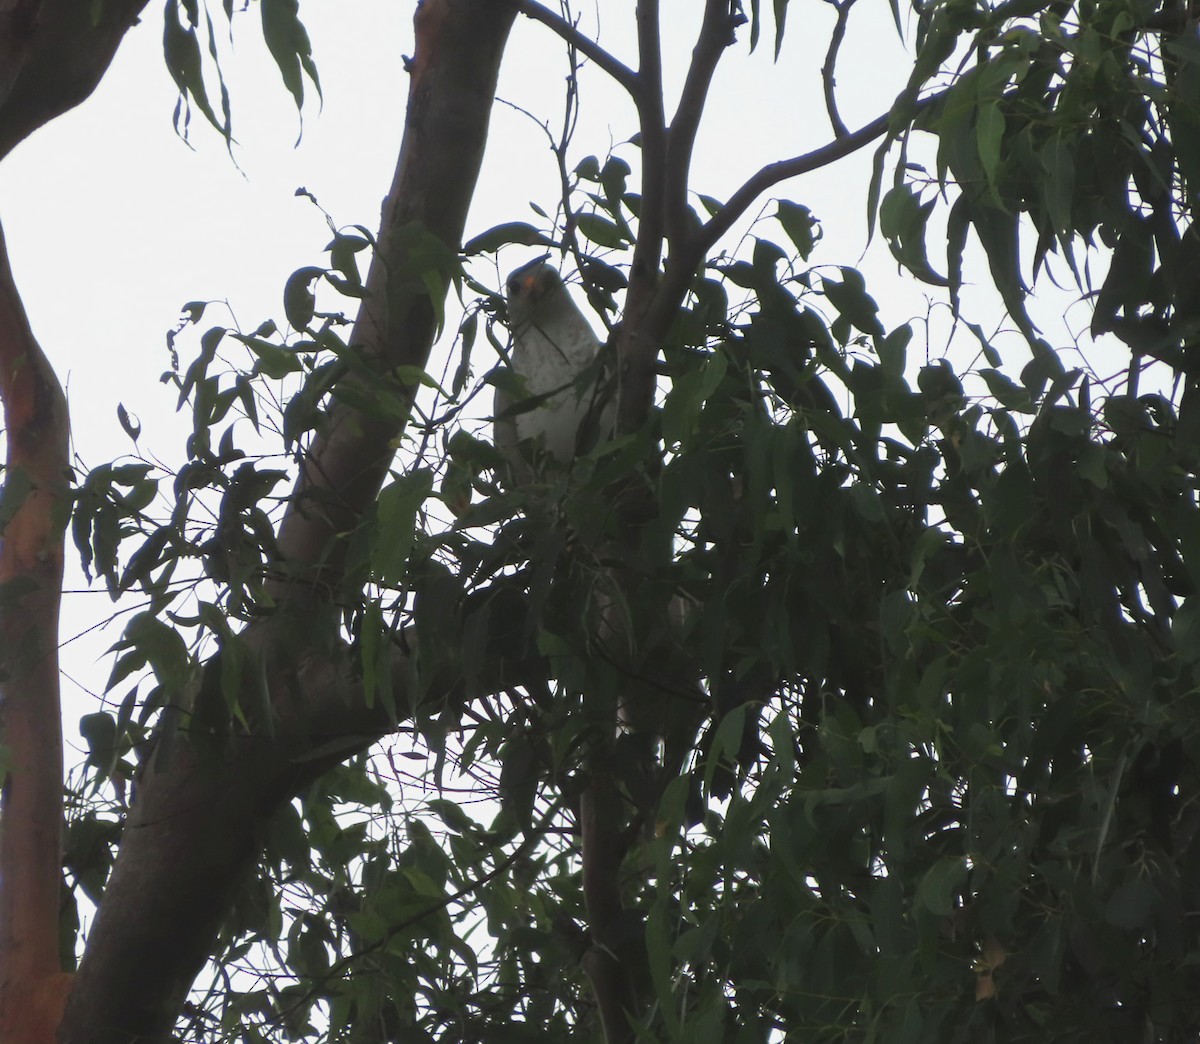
x=570 y=219
x=612 y=65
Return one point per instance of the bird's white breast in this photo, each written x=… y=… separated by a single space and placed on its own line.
x=550 y=351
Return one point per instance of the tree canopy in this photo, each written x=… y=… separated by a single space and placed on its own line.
x=920 y=623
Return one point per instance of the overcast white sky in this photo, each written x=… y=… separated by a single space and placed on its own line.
x=113 y=222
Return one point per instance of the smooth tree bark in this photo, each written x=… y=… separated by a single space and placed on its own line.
x=36 y=505
x=52 y=55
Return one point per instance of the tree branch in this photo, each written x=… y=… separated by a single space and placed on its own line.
x=193 y=830
x=781 y=170
x=652 y=123
x=453 y=84
x=635 y=352
x=196 y=823
x=716 y=33
x=194 y=826
x=583 y=43
x=829 y=68
x=649 y=61
x=52 y=55
x=31 y=553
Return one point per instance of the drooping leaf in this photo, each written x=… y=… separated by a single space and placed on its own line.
x=520 y=233
x=299 y=301
x=851 y=299
x=396 y=513
x=288 y=42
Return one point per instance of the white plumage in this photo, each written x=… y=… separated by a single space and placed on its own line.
x=552 y=346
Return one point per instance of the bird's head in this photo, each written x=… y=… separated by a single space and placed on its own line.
x=531 y=286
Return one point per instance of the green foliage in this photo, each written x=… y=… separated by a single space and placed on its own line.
x=1080 y=120
x=943 y=788
x=188 y=24
x=968 y=644
x=288 y=43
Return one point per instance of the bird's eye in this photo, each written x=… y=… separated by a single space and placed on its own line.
x=514 y=287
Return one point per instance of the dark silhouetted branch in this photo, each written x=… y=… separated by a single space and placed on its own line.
x=773 y=173
x=828 y=70
x=52 y=55
x=716 y=33
x=615 y=68
x=196 y=822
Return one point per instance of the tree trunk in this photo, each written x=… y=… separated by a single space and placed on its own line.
x=52 y=55
x=194 y=827
x=31 y=570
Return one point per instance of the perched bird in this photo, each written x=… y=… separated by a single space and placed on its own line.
x=553 y=347
x=559 y=406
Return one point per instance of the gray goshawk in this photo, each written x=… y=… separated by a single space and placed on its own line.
x=553 y=345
